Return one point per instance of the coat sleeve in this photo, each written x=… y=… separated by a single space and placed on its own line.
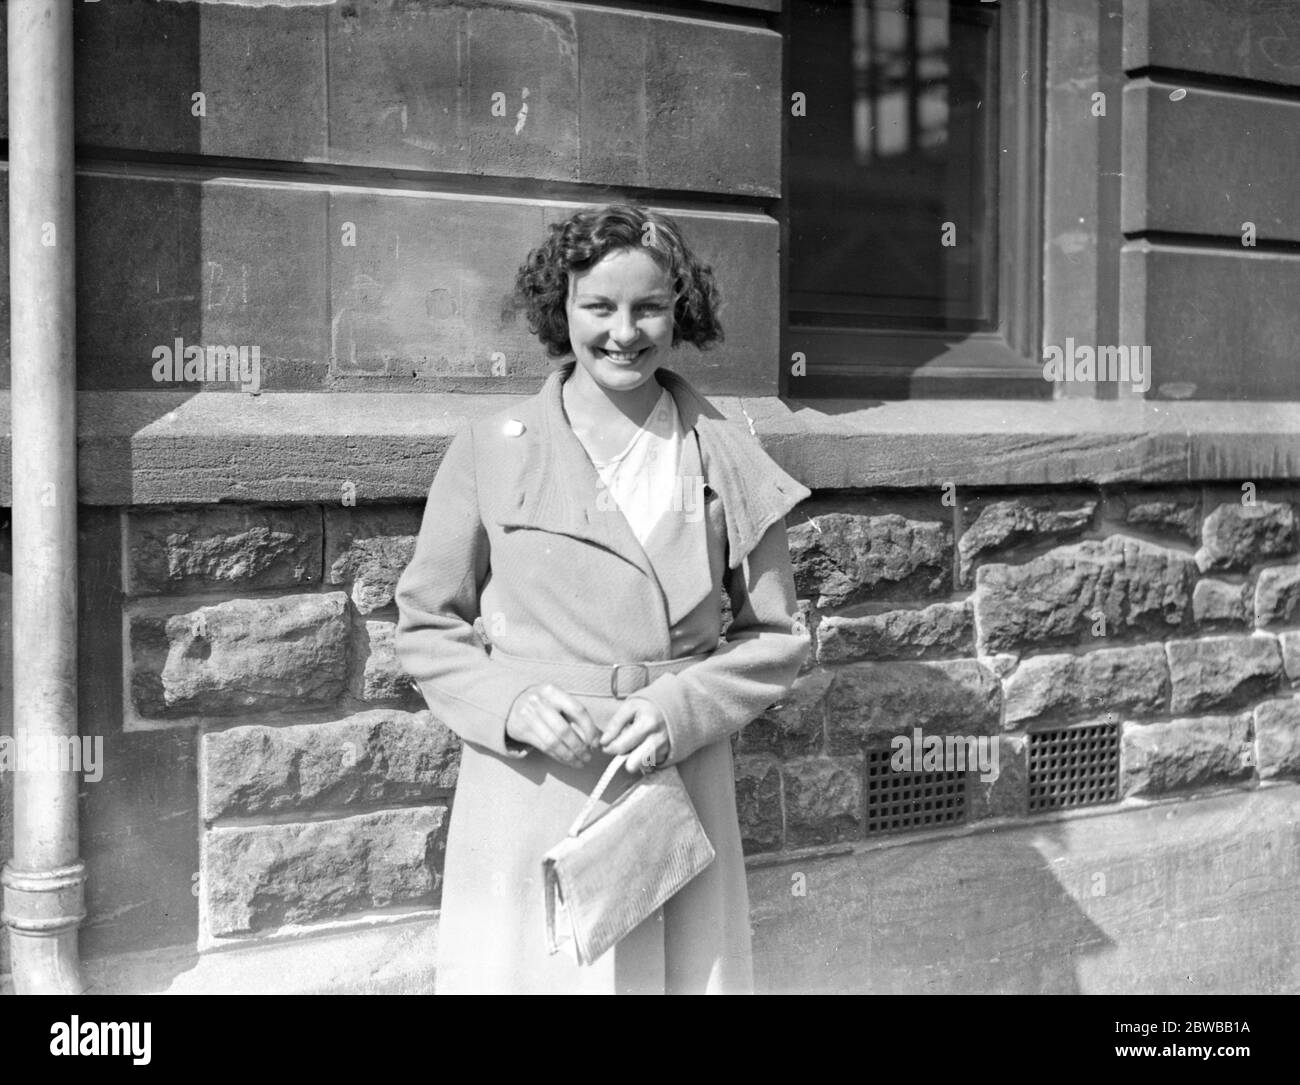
x=752 y=669
x=437 y=598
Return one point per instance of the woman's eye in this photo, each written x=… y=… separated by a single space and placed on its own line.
x=649 y=307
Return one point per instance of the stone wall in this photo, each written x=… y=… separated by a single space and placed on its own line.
x=266 y=632
x=324 y=785
x=1172 y=613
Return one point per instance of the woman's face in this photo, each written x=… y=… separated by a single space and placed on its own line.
x=620 y=314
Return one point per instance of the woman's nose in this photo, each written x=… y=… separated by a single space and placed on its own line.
x=624 y=330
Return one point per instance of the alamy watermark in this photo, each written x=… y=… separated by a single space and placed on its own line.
x=945 y=753
x=686 y=496
x=1079 y=362
x=120 y=1038
x=213 y=365
x=54 y=753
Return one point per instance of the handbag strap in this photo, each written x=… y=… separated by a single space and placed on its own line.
x=611 y=770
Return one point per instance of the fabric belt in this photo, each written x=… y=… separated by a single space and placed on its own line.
x=598 y=679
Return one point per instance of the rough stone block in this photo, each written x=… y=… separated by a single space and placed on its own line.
x=823 y=800
x=381 y=756
x=1221 y=672
x=368 y=549
x=1000 y=526
x=1185 y=753
x=870 y=703
x=240 y=656
x=758 y=803
x=936 y=630
x=795 y=725
x=1277 y=738
x=1290 y=644
x=1169 y=511
x=1060 y=688
x=225 y=547
x=1218 y=603
x=382 y=677
x=1120 y=587
x=842 y=557
x=1277 y=596
x=1236 y=536
x=266 y=876
x=1001 y=663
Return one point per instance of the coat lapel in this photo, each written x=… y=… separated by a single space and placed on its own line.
x=558 y=489
x=755 y=491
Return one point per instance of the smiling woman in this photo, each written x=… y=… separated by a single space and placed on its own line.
x=558 y=527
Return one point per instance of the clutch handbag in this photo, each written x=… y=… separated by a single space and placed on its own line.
x=614 y=870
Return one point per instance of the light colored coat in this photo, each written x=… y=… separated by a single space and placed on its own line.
x=515 y=538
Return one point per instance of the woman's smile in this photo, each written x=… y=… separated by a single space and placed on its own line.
x=622 y=355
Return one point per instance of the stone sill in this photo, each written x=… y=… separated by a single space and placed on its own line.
x=143 y=448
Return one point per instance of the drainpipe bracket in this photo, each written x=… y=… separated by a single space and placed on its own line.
x=43 y=903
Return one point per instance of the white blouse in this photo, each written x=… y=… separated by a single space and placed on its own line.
x=642 y=480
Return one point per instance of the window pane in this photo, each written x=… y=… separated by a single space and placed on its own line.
x=900 y=138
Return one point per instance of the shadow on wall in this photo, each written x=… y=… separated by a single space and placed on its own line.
x=964 y=915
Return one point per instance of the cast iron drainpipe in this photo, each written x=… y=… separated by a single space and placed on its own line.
x=44 y=881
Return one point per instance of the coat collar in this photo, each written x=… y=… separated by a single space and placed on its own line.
x=557 y=487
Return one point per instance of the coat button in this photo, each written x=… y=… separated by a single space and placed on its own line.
x=513 y=427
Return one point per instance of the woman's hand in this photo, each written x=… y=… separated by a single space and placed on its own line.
x=550 y=720
x=639 y=729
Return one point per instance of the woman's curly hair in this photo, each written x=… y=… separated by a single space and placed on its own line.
x=582 y=240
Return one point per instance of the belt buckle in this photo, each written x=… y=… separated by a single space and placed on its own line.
x=613 y=678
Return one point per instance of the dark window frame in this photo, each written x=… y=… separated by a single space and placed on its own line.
x=1004 y=362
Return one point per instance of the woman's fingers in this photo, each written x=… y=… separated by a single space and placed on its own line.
x=579 y=718
x=553 y=734
x=564 y=739
x=623 y=715
x=632 y=735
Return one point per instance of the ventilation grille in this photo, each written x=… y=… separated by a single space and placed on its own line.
x=1073 y=766
x=898 y=801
